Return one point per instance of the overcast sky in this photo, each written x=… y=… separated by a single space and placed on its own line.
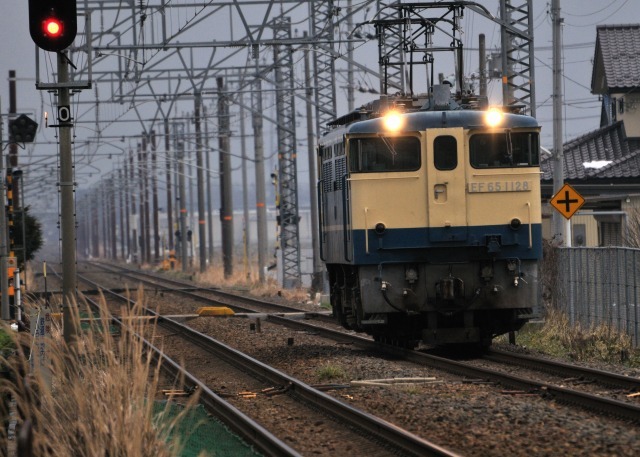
x=580 y=16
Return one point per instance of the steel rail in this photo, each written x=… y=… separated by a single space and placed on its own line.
x=550 y=366
x=236 y=420
x=609 y=406
x=370 y=425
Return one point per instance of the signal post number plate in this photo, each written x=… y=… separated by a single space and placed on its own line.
x=499 y=186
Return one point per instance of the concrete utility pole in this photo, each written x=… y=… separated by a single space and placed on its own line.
x=559 y=229
x=142 y=219
x=209 y=191
x=154 y=201
x=95 y=225
x=112 y=217
x=105 y=219
x=121 y=183
x=316 y=278
x=182 y=201
x=135 y=224
x=167 y=151
x=261 y=210
x=226 y=188
x=202 y=237
x=245 y=192
x=147 y=217
x=67 y=222
x=127 y=191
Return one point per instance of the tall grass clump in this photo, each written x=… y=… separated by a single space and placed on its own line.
x=246 y=277
x=100 y=397
x=599 y=342
x=558 y=337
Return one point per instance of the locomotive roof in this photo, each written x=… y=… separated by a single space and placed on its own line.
x=421 y=120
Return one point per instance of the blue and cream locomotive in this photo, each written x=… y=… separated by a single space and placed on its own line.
x=430 y=220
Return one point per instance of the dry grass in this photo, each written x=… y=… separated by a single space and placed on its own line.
x=247 y=279
x=99 y=400
x=557 y=337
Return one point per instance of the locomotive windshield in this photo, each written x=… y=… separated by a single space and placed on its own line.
x=504 y=150
x=382 y=154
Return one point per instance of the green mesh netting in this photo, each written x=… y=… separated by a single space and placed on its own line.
x=201 y=434
x=96 y=323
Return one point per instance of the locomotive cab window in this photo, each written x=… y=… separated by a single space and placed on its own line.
x=504 y=150
x=383 y=154
x=445 y=152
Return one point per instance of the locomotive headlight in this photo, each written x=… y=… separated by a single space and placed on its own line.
x=493 y=117
x=392 y=121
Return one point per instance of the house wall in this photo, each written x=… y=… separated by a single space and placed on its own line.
x=587 y=226
x=627 y=109
x=580 y=225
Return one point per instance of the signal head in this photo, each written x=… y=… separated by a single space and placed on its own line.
x=52 y=23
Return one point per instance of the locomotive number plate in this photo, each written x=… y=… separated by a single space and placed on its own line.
x=500 y=186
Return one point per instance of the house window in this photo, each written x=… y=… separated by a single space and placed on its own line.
x=620 y=105
x=579 y=232
x=610 y=234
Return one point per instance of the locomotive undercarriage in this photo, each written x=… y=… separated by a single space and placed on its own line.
x=402 y=304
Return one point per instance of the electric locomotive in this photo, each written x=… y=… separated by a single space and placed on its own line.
x=430 y=219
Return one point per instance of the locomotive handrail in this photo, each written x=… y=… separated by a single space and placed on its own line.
x=346 y=220
x=323 y=233
x=530 y=226
x=366 y=231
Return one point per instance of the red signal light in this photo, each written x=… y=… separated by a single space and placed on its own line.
x=52 y=27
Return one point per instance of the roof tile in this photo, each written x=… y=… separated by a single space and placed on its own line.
x=619 y=45
x=606 y=143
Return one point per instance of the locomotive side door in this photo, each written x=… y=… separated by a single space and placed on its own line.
x=446 y=188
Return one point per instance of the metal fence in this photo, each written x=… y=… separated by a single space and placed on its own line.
x=601 y=286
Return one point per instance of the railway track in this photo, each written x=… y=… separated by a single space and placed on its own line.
x=444 y=412
x=378 y=436
x=584 y=393
x=208 y=295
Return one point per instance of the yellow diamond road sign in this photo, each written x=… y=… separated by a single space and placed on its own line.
x=567 y=201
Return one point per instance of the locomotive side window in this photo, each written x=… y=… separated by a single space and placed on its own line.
x=445 y=152
x=504 y=150
x=384 y=154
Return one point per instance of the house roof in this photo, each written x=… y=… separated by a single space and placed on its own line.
x=607 y=143
x=616 y=63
